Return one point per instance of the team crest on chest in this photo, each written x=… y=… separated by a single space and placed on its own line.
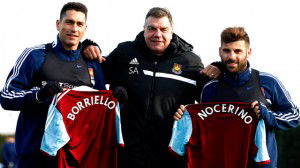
x=92 y=75
x=177 y=68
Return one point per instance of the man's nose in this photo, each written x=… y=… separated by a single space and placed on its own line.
x=157 y=33
x=74 y=27
x=232 y=54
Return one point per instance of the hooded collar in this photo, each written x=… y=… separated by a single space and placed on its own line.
x=66 y=55
x=176 y=46
x=238 y=79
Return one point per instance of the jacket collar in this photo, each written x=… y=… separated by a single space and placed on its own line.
x=238 y=79
x=66 y=55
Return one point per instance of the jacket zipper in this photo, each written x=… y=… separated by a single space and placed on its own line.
x=152 y=90
x=149 y=108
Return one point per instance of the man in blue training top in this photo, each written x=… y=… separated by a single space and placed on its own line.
x=9 y=155
x=270 y=100
x=40 y=73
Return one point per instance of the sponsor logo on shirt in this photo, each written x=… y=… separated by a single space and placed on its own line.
x=134 y=61
x=61 y=84
x=133 y=69
x=79 y=66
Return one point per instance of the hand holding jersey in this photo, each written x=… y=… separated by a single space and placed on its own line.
x=256 y=109
x=121 y=94
x=178 y=114
x=48 y=91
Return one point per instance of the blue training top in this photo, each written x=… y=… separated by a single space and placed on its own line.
x=19 y=93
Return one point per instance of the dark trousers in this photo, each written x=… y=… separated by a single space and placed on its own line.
x=149 y=158
x=36 y=160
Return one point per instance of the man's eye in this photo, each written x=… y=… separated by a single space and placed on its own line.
x=150 y=28
x=226 y=50
x=164 y=30
x=69 y=22
x=238 y=51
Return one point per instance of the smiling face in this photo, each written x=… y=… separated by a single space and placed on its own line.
x=158 y=34
x=71 y=27
x=234 y=55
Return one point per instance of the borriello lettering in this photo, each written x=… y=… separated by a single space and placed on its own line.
x=225 y=108
x=86 y=102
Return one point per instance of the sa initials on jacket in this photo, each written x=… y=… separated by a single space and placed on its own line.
x=133 y=70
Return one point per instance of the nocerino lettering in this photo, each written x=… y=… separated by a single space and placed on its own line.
x=225 y=108
x=93 y=100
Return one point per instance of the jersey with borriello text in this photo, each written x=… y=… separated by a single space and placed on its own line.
x=83 y=129
x=221 y=135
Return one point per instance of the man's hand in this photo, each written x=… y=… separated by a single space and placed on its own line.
x=93 y=52
x=48 y=91
x=179 y=113
x=255 y=107
x=121 y=94
x=211 y=71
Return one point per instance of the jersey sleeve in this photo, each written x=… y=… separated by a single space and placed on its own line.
x=18 y=90
x=120 y=140
x=55 y=134
x=181 y=133
x=284 y=113
x=262 y=156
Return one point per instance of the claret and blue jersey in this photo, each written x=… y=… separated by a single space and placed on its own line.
x=220 y=134
x=281 y=113
x=83 y=128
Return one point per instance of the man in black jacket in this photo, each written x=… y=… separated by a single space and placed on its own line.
x=158 y=71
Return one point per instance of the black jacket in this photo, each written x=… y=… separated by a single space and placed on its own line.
x=156 y=86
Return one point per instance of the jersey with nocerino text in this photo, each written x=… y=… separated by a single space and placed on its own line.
x=280 y=114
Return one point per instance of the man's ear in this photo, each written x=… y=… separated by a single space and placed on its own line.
x=249 y=52
x=57 y=24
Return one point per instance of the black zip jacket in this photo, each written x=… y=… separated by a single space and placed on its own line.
x=156 y=86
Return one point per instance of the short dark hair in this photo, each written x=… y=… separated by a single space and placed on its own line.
x=158 y=12
x=77 y=6
x=232 y=34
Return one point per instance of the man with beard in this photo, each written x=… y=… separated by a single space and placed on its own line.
x=241 y=83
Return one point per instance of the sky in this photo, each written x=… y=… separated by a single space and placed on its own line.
x=273 y=27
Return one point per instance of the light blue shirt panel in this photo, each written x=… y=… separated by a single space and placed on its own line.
x=261 y=142
x=120 y=139
x=55 y=135
x=181 y=134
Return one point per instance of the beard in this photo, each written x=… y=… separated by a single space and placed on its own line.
x=241 y=65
